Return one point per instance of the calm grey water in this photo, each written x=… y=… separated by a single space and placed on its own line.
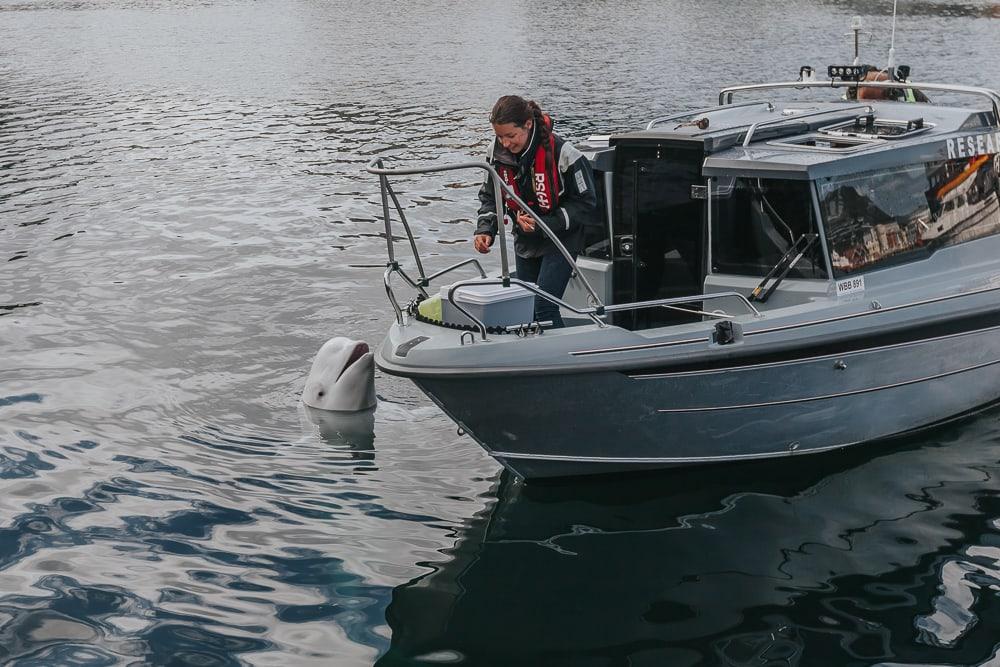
x=184 y=220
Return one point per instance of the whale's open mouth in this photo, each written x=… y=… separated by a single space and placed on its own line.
x=359 y=351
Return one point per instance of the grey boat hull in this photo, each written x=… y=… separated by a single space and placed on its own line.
x=548 y=425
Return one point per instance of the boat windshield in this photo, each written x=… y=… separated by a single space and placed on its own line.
x=757 y=221
x=881 y=218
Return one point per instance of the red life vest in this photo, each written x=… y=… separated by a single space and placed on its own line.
x=544 y=178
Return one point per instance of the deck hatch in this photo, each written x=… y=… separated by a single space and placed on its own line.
x=862 y=132
x=826 y=142
x=869 y=127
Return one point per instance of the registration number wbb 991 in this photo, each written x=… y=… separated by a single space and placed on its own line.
x=850 y=285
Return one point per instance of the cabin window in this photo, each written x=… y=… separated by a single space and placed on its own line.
x=880 y=218
x=755 y=221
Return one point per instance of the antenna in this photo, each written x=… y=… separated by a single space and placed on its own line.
x=856 y=27
x=858 y=32
x=891 y=65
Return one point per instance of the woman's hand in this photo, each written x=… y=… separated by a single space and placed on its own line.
x=482 y=242
x=525 y=222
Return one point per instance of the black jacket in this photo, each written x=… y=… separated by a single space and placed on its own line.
x=577 y=203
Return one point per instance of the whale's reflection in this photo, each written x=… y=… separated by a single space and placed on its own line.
x=351 y=431
x=832 y=559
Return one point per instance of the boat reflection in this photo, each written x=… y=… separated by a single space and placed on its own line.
x=737 y=566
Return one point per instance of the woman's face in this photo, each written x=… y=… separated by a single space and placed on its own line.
x=512 y=137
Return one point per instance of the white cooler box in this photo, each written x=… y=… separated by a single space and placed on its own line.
x=495 y=305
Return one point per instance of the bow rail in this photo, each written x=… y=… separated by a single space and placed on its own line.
x=377 y=167
x=597 y=310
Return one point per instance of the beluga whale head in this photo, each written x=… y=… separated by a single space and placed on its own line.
x=342 y=377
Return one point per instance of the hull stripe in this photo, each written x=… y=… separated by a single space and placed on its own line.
x=969 y=324
x=685 y=460
x=835 y=355
x=786 y=327
x=844 y=394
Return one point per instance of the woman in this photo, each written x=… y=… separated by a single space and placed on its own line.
x=554 y=179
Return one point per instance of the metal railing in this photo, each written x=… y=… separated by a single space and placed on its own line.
x=592 y=313
x=595 y=312
x=393 y=267
x=697 y=112
x=377 y=167
x=726 y=94
x=792 y=119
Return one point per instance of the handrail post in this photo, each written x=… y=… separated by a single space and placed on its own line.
x=501 y=231
x=384 y=187
x=387 y=281
x=409 y=234
x=478 y=322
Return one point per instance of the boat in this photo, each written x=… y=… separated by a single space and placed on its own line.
x=771 y=277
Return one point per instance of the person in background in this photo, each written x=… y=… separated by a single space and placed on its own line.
x=894 y=94
x=554 y=179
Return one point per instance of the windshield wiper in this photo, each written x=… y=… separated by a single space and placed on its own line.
x=781 y=269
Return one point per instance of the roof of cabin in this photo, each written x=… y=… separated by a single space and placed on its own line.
x=780 y=146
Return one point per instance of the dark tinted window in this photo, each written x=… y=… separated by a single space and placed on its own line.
x=879 y=218
x=755 y=222
x=596 y=240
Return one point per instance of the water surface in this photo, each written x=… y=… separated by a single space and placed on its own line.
x=184 y=219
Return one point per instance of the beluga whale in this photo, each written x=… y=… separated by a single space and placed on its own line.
x=342 y=377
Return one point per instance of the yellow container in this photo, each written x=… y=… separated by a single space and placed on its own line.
x=431 y=308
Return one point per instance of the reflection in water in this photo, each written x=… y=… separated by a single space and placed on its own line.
x=354 y=431
x=832 y=559
x=961 y=579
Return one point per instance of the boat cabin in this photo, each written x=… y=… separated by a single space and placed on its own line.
x=811 y=194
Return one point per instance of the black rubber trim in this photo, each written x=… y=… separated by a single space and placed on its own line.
x=912 y=334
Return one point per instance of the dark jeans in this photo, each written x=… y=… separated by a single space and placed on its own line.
x=551 y=273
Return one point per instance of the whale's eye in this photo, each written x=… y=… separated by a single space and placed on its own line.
x=321 y=394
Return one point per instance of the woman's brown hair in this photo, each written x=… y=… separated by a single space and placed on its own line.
x=517 y=110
